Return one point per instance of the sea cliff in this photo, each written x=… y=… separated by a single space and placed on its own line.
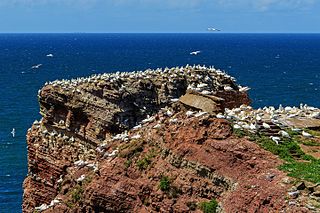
x=165 y=140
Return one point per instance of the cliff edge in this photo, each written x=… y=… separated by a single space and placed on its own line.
x=153 y=141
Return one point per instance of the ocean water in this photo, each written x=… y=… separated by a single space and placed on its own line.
x=280 y=68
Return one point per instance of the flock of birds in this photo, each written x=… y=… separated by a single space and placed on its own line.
x=205 y=80
x=253 y=120
x=243 y=117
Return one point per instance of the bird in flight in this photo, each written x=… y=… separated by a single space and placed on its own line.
x=195 y=52
x=213 y=29
x=13 y=132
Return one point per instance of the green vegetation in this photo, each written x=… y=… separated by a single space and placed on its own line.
x=298 y=164
x=143 y=163
x=164 y=184
x=170 y=190
x=77 y=193
x=127 y=163
x=304 y=170
x=70 y=204
x=288 y=150
x=308 y=142
x=209 y=207
x=239 y=133
x=131 y=149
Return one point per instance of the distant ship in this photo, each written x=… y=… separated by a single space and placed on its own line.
x=213 y=29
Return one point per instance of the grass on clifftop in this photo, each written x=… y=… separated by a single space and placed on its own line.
x=298 y=164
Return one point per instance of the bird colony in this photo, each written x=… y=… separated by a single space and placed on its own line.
x=205 y=80
x=267 y=118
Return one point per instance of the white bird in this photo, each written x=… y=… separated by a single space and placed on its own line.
x=36 y=66
x=50 y=55
x=13 y=132
x=275 y=139
x=158 y=126
x=265 y=125
x=296 y=129
x=227 y=88
x=169 y=113
x=81 y=178
x=258 y=118
x=195 y=52
x=253 y=127
x=284 y=134
x=236 y=126
x=212 y=29
x=220 y=116
x=244 y=89
x=189 y=113
x=199 y=114
x=206 y=92
x=136 y=136
x=307 y=135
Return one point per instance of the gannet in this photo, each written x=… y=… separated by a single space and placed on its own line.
x=81 y=178
x=220 y=115
x=307 y=135
x=50 y=55
x=158 y=126
x=212 y=29
x=284 y=134
x=36 y=66
x=195 y=52
x=275 y=139
x=244 y=89
x=227 y=88
x=236 y=126
x=13 y=132
x=189 y=113
x=265 y=125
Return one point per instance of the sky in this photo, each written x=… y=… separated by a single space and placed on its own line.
x=149 y=16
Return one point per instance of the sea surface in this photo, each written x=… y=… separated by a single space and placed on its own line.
x=280 y=69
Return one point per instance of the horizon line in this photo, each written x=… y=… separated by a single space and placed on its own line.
x=159 y=32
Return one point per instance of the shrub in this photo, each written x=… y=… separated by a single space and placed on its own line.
x=77 y=193
x=164 y=183
x=209 y=207
x=143 y=163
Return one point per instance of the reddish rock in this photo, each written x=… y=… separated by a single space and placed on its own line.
x=75 y=165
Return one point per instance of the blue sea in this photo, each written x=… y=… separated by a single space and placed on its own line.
x=280 y=68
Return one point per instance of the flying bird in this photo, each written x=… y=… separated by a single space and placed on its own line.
x=36 y=66
x=195 y=52
x=213 y=29
x=13 y=132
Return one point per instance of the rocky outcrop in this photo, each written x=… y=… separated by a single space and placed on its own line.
x=124 y=142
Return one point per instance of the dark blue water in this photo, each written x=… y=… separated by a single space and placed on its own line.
x=280 y=68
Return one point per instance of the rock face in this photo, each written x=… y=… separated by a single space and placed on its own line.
x=124 y=142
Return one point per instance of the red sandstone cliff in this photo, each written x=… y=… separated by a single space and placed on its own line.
x=108 y=144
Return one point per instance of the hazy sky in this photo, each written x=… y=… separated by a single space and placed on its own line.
x=159 y=15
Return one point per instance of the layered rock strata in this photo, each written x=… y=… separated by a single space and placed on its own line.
x=106 y=144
